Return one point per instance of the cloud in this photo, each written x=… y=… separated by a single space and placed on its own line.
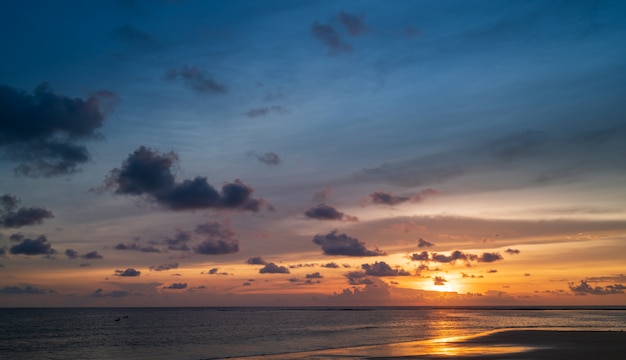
x=584 y=288
x=137 y=247
x=219 y=239
x=269 y=158
x=423 y=243
x=334 y=243
x=456 y=256
x=256 y=260
x=329 y=37
x=358 y=278
x=439 y=281
x=196 y=80
x=330 y=265
x=214 y=271
x=322 y=195
x=423 y=256
x=99 y=293
x=179 y=241
x=452 y=258
x=384 y=198
x=512 y=251
x=26 y=290
x=266 y=110
x=38 y=246
x=43 y=130
x=326 y=212
x=272 y=268
x=73 y=254
x=12 y=218
x=383 y=269
x=354 y=24
x=216 y=247
x=176 y=286
x=148 y=173
x=127 y=273
x=488 y=257
x=164 y=267
x=315 y=275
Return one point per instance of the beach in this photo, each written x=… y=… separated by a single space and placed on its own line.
x=505 y=344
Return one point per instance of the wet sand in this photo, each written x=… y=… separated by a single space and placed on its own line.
x=506 y=345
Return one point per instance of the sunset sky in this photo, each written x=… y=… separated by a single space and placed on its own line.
x=312 y=153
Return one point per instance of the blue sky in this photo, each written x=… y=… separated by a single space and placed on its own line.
x=479 y=127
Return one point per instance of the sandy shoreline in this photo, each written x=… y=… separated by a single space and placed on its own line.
x=506 y=344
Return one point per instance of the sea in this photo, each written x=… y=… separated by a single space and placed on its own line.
x=220 y=333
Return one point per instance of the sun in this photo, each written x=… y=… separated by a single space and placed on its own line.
x=441 y=284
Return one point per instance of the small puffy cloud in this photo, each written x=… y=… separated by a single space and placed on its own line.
x=272 y=268
x=179 y=241
x=492 y=271
x=383 y=269
x=385 y=198
x=269 y=158
x=25 y=290
x=334 y=243
x=256 y=260
x=423 y=243
x=423 y=256
x=325 y=212
x=358 y=278
x=215 y=271
x=100 y=293
x=439 y=281
x=130 y=272
x=315 y=275
x=136 y=247
x=196 y=80
x=585 y=289
x=176 y=286
x=148 y=173
x=42 y=130
x=329 y=37
x=452 y=258
x=12 y=217
x=512 y=251
x=38 y=246
x=330 y=265
x=355 y=25
x=263 y=111
x=488 y=257
x=92 y=255
x=71 y=253
x=164 y=267
x=216 y=247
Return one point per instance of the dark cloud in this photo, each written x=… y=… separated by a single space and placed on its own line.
x=296 y=266
x=176 y=286
x=358 y=278
x=219 y=239
x=330 y=37
x=196 y=80
x=164 y=267
x=272 y=268
x=334 y=243
x=43 y=130
x=92 y=255
x=456 y=256
x=128 y=272
x=488 y=257
x=471 y=276
x=423 y=243
x=326 y=212
x=12 y=217
x=584 y=288
x=423 y=256
x=148 y=173
x=16 y=237
x=137 y=247
x=99 y=293
x=214 y=271
x=38 y=246
x=131 y=35
x=492 y=271
x=385 y=198
x=26 y=290
x=179 y=241
x=383 y=269
x=256 y=260
x=270 y=158
x=452 y=258
x=216 y=247
x=439 y=281
x=330 y=265
x=315 y=275
x=263 y=111
x=71 y=253
x=354 y=24
x=512 y=251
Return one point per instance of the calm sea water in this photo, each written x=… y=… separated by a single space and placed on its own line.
x=210 y=333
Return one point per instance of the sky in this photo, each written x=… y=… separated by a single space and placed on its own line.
x=312 y=153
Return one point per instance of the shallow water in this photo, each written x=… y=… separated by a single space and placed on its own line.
x=209 y=333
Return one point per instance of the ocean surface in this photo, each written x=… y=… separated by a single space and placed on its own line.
x=214 y=333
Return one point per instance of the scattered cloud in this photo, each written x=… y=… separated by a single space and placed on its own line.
x=334 y=243
x=358 y=278
x=421 y=243
x=256 y=260
x=322 y=195
x=439 y=281
x=266 y=110
x=330 y=37
x=512 y=251
x=455 y=256
x=383 y=269
x=196 y=80
x=148 y=173
x=585 y=289
x=215 y=271
x=384 y=198
x=272 y=268
x=12 y=217
x=42 y=130
x=130 y=272
x=330 y=265
x=176 y=286
x=38 y=246
x=269 y=158
x=25 y=290
x=355 y=25
x=219 y=238
x=315 y=275
x=137 y=247
x=164 y=267
x=100 y=293
x=326 y=212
